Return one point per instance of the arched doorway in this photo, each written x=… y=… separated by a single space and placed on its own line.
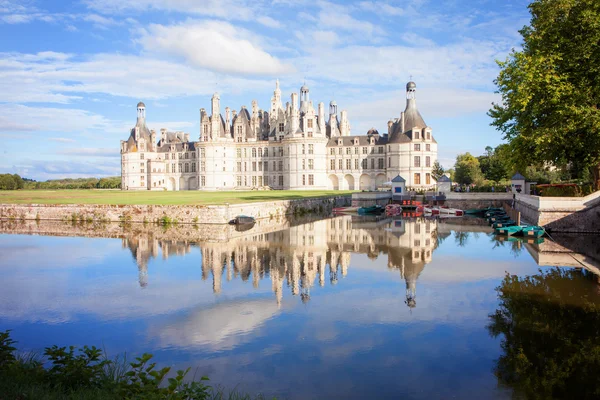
x=182 y=184
x=334 y=182
x=171 y=184
x=192 y=183
x=380 y=180
x=349 y=179
x=365 y=182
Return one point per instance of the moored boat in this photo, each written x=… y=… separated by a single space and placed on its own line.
x=242 y=219
x=392 y=210
x=533 y=231
x=370 y=210
x=502 y=224
x=509 y=230
x=345 y=209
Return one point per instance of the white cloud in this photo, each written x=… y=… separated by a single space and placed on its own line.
x=381 y=8
x=217 y=46
x=90 y=152
x=268 y=21
x=62 y=140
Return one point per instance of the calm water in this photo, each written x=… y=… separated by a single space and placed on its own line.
x=336 y=308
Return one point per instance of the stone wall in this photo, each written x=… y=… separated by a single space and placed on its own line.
x=466 y=201
x=562 y=214
x=182 y=214
x=367 y=199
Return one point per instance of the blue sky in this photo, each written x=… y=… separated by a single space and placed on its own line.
x=72 y=72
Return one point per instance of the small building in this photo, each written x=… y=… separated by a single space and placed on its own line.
x=398 y=185
x=444 y=185
x=518 y=183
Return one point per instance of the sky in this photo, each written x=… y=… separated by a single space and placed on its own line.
x=72 y=72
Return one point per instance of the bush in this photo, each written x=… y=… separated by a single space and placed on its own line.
x=566 y=190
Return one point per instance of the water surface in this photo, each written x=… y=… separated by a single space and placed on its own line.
x=341 y=307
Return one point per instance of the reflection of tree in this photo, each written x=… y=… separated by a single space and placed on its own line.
x=461 y=238
x=551 y=328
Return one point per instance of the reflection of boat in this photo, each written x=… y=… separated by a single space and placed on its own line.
x=345 y=209
x=509 y=230
x=452 y=211
x=370 y=210
x=244 y=227
x=242 y=219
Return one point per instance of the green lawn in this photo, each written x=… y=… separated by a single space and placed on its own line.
x=149 y=197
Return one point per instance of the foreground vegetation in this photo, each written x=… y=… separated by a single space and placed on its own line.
x=155 y=198
x=66 y=373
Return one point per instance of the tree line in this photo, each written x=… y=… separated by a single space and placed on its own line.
x=16 y=182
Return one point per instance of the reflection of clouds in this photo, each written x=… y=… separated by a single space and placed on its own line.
x=220 y=326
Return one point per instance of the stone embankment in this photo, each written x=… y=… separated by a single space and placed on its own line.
x=466 y=201
x=180 y=214
x=562 y=214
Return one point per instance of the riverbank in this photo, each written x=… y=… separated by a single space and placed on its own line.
x=171 y=214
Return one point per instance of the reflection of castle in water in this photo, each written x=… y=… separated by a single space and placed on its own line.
x=305 y=254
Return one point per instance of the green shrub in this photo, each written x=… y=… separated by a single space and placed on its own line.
x=561 y=191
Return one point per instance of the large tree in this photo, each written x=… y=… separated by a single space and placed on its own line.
x=437 y=170
x=467 y=170
x=551 y=87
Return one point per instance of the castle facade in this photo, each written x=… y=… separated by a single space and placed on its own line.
x=291 y=147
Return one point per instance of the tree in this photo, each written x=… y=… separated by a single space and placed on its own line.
x=467 y=170
x=437 y=170
x=550 y=109
x=549 y=324
x=491 y=165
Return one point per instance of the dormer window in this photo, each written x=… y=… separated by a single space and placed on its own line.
x=417 y=135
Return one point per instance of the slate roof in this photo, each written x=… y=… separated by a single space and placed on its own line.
x=363 y=140
x=444 y=178
x=398 y=179
x=518 y=177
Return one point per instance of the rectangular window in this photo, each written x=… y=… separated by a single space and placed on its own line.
x=180 y=167
x=356 y=150
x=193 y=155
x=266 y=153
x=332 y=162
x=340 y=150
x=303 y=180
x=380 y=163
x=372 y=163
x=141 y=156
x=245 y=167
x=173 y=168
x=281 y=126
x=428 y=135
x=254 y=166
x=311 y=149
x=332 y=151
x=239 y=167
x=417 y=135
x=380 y=149
x=203 y=152
x=203 y=180
x=417 y=161
x=179 y=155
x=303 y=149
x=187 y=167
x=348 y=150
x=260 y=181
x=427 y=147
x=364 y=151
x=389 y=162
x=356 y=164
x=364 y=164
x=260 y=167
x=253 y=152
x=260 y=151
x=417 y=179
x=280 y=180
x=428 y=161
x=311 y=180
x=428 y=179
x=253 y=181
x=239 y=181
x=266 y=166
x=310 y=122
x=187 y=156
x=193 y=167
x=417 y=147
x=143 y=181
x=303 y=165
x=281 y=152
x=281 y=165
x=311 y=164
x=348 y=164
x=274 y=165
x=239 y=153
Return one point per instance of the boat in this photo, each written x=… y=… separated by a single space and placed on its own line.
x=370 y=210
x=242 y=219
x=430 y=211
x=476 y=211
x=451 y=211
x=498 y=218
x=503 y=224
x=392 y=210
x=533 y=231
x=509 y=230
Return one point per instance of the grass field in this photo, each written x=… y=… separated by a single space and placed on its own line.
x=155 y=198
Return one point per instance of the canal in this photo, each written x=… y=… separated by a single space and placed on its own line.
x=337 y=307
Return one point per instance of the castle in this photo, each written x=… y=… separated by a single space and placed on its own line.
x=285 y=148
